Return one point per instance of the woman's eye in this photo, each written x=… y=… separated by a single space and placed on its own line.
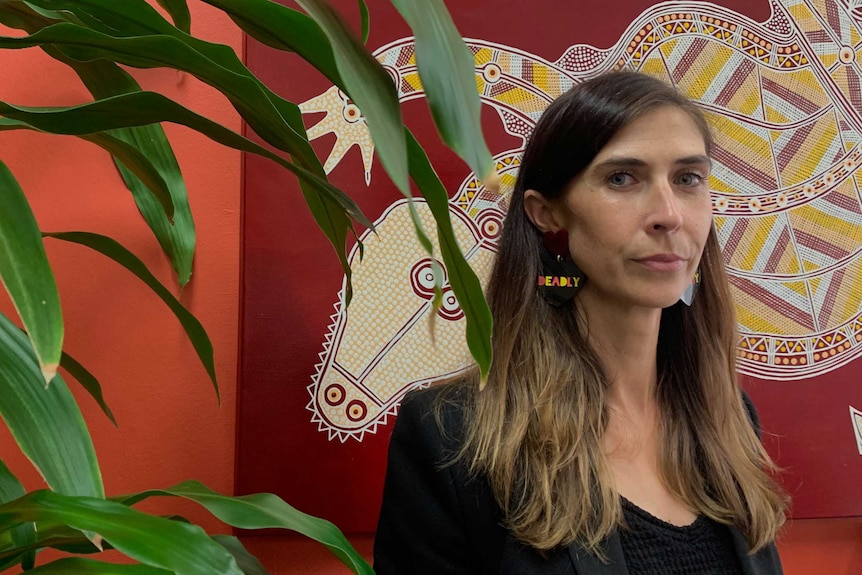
x=691 y=179
x=619 y=179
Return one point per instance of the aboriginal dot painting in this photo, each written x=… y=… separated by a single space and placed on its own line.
x=781 y=85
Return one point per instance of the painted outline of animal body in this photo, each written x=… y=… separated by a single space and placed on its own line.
x=784 y=99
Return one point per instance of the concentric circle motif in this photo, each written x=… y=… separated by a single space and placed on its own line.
x=422 y=278
x=356 y=410
x=490 y=223
x=492 y=73
x=351 y=114
x=846 y=55
x=450 y=310
x=334 y=394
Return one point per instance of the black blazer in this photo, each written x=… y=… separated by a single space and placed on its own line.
x=437 y=520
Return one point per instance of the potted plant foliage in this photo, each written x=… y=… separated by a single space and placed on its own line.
x=95 y=38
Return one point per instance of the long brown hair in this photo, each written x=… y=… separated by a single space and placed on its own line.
x=535 y=431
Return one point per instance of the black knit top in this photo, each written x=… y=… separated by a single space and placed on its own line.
x=654 y=547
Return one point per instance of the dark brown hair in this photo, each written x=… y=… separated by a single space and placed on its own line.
x=536 y=429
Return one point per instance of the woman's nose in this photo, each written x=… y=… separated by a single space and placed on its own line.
x=665 y=211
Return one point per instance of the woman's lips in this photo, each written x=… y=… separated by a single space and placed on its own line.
x=663 y=262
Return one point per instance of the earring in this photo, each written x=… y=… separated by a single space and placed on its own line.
x=561 y=278
x=687 y=296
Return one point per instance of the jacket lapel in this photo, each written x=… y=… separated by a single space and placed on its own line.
x=588 y=564
x=764 y=562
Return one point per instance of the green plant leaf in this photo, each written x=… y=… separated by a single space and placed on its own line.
x=131 y=158
x=177 y=237
x=462 y=278
x=45 y=422
x=247 y=562
x=179 y=11
x=282 y=28
x=276 y=120
x=104 y=79
x=261 y=511
x=371 y=88
x=88 y=381
x=27 y=276
x=149 y=107
x=178 y=547
x=22 y=535
x=448 y=73
x=132 y=18
x=225 y=72
x=79 y=566
x=364 y=21
x=112 y=249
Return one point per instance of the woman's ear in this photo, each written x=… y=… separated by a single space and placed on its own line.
x=541 y=211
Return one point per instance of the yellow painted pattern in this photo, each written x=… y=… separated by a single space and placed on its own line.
x=744 y=143
x=707 y=66
x=840 y=75
x=841 y=233
x=654 y=66
x=543 y=80
x=750 y=246
x=848 y=304
x=812 y=153
x=757 y=317
x=747 y=99
x=522 y=99
x=413 y=81
x=483 y=56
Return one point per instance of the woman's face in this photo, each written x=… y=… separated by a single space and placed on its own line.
x=639 y=215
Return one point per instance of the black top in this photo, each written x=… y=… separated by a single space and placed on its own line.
x=438 y=519
x=655 y=547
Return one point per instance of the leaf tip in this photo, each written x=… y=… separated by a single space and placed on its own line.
x=492 y=181
x=49 y=370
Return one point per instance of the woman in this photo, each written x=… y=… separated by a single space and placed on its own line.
x=612 y=436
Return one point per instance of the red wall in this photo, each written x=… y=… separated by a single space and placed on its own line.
x=171 y=428
x=170 y=425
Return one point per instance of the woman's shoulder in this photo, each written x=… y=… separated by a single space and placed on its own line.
x=436 y=412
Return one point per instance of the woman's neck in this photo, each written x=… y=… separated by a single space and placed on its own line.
x=625 y=340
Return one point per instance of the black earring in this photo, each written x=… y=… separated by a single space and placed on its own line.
x=561 y=278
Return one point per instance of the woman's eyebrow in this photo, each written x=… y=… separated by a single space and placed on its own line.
x=625 y=162
x=695 y=160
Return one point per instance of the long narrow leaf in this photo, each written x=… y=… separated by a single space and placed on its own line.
x=370 y=87
x=112 y=249
x=448 y=73
x=104 y=79
x=143 y=108
x=245 y=93
x=88 y=381
x=45 y=422
x=282 y=28
x=22 y=535
x=462 y=278
x=177 y=238
x=132 y=18
x=27 y=276
x=78 y=566
x=276 y=120
x=177 y=547
x=364 y=21
x=136 y=162
x=179 y=11
x=247 y=562
x=261 y=511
